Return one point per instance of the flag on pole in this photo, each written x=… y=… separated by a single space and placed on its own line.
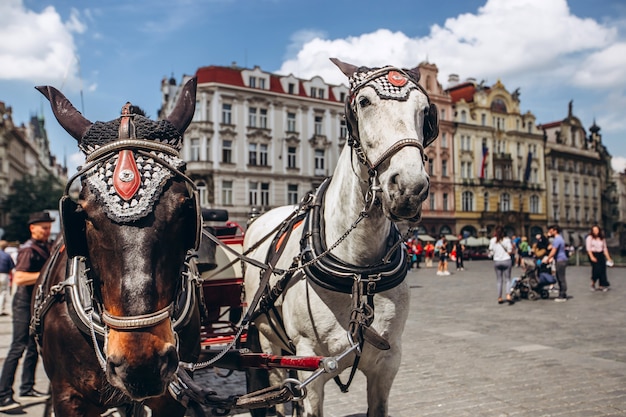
x=483 y=164
x=528 y=167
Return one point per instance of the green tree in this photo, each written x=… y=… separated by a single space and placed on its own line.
x=29 y=195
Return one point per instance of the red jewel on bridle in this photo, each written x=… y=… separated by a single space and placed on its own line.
x=397 y=79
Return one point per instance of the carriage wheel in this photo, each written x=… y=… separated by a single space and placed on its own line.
x=532 y=295
x=545 y=294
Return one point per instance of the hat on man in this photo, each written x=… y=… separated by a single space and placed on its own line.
x=40 y=217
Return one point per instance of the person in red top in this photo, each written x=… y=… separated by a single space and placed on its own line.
x=429 y=252
x=599 y=256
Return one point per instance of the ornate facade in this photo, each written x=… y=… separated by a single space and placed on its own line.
x=24 y=150
x=576 y=177
x=438 y=215
x=499 y=160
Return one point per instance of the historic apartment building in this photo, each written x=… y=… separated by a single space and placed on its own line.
x=576 y=177
x=499 y=162
x=438 y=215
x=24 y=150
x=259 y=140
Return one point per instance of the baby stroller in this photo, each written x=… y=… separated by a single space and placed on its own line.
x=534 y=282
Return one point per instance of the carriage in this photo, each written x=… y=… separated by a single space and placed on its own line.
x=146 y=287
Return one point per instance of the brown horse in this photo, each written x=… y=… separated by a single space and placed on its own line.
x=113 y=312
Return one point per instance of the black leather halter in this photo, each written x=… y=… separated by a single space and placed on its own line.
x=332 y=273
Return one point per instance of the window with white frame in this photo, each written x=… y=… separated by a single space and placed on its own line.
x=585 y=189
x=253 y=193
x=227 y=151
x=263 y=154
x=577 y=213
x=227 y=114
x=252 y=82
x=566 y=187
x=291 y=157
x=291 y=122
x=576 y=189
x=252 y=113
x=319 y=162
x=194 y=149
x=444 y=140
x=202 y=194
x=444 y=168
x=265 y=194
x=292 y=194
x=227 y=193
x=555 y=213
x=252 y=154
x=197 y=114
x=534 y=204
x=463 y=116
x=318 y=125
x=594 y=191
x=263 y=118
x=445 y=202
x=432 y=202
x=555 y=185
x=262 y=83
x=467 y=201
x=505 y=202
x=343 y=129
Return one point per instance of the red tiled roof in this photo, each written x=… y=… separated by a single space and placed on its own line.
x=225 y=75
x=232 y=76
x=462 y=91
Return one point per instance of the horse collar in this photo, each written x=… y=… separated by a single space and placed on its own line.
x=334 y=274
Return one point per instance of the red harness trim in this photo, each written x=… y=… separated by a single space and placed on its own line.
x=282 y=237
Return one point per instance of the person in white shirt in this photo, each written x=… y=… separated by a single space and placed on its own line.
x=500 y=247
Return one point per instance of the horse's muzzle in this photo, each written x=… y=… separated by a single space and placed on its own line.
x=142 y=377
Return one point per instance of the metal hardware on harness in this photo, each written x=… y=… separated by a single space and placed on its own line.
x=137 y=322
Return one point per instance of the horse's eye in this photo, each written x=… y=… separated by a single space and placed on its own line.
x=364 y=102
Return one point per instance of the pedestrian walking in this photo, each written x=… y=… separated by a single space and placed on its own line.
x=442 y=267
x=6 y=268
x=559 y=255
x=429 y=254
x=30 y=259
x=599 y=256
x=459 y=248
x=500 y=247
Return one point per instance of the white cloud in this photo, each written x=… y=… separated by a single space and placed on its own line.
x=42 y=47
x=619 y=163
x=502 y=39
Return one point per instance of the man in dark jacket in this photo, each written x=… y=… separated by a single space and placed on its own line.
x=30 y=259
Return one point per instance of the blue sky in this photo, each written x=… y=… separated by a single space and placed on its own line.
x=117 y=51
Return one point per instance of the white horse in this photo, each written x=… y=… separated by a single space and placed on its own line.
x=380 y=178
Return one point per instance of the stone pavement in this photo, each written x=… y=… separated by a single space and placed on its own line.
x=466 y=355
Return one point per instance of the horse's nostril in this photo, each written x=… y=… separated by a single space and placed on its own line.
x=394 y=179
x=170 y=362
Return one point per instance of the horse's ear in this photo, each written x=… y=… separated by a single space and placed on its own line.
x=431 y=124
x=414 y=73
x=347 y=69
x=185 y=106
x=73 y=226
x=69 y=118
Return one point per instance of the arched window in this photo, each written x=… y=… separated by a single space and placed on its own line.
x=463 y=116
x=498 y=105
x=505 y=202
x=467 y=201
x=534 y=204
